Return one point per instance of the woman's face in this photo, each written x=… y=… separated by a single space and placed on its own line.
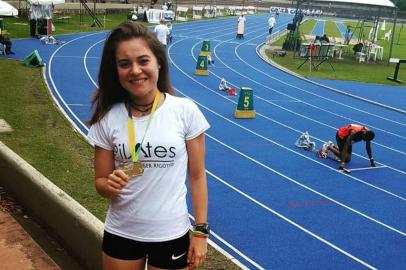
x=137 y=68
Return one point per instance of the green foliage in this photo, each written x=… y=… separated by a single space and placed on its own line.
x=43 y=137
x=401 y=4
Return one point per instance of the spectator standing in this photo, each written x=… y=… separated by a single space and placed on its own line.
x=170 y=35
x=162 y=32
x=241 y=27
x=271 y=23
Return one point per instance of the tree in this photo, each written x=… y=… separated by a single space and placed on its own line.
x=401 y=4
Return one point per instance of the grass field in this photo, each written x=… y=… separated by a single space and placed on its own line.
x=19 y=27
x=348 y=68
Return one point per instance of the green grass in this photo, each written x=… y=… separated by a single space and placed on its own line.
x=331 y=29
x=19 y=27
x=349 y=69
x=43 y=137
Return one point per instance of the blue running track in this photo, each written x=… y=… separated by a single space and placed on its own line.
x=272 y=205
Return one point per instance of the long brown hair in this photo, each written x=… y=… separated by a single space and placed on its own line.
x=110 y=90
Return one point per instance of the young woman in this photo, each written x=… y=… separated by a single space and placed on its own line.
x=146 y=141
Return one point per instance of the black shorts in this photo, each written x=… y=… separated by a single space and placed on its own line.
x=168 y=254
x=341 y=142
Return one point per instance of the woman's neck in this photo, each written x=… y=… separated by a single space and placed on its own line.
x=143 y=108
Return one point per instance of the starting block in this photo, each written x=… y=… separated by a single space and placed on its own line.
x=304 y=142
x=201 y=66
x=245 y=107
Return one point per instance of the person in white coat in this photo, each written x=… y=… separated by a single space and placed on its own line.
x=271 y=24
x=241 y=27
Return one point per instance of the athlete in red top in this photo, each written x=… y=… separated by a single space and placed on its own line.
x=348 y=135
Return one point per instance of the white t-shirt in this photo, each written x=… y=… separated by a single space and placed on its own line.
x=162 y=31
x=271 y=22
x=152 y=207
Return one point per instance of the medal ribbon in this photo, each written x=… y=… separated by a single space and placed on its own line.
x=131 y=130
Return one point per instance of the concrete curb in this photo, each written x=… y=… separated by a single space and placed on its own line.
x=80 y=231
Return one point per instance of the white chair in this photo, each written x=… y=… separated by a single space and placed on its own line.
x=361 y=56
x=388 y=35
x=373 y=51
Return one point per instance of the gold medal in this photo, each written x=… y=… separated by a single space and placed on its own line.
x=133 y=169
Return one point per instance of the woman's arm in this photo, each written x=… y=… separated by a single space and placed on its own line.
x=108 y=182
x=198 y=186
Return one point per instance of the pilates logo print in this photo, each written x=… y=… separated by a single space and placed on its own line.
x=151 y=156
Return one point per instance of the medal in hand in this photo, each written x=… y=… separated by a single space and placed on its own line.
x=133 y=169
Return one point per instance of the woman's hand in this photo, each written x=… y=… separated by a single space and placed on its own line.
x=108 y=181
x=116 y=181
x=112 y=185
x=197 y=252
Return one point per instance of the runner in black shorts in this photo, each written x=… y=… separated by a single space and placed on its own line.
x=348 y=135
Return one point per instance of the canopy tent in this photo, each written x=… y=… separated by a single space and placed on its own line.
x=7 y=10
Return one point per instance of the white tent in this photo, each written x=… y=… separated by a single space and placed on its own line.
x=7 y=10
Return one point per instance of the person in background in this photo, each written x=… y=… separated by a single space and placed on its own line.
x=346 y=136
x=146 y=140
x=170 y=35
x=241 y=27
x=5 y=40
x=162 y=32
x=324 y=39
x=277 y=13
x=271 y=24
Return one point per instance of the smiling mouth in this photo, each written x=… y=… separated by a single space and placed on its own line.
x=139 y=81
